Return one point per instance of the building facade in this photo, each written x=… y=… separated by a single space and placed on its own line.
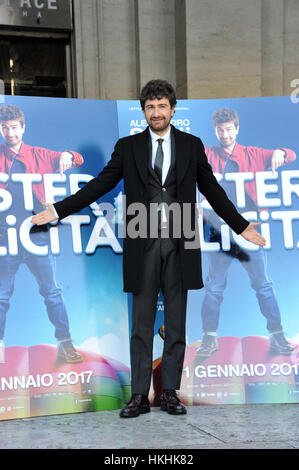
x=108 y=49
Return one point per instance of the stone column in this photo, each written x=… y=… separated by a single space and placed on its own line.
x=105 y=49
x=291 y=42
x=223 y=48
x=86 y=49
x=180 y=49
x=272 y=47
x=155 y=41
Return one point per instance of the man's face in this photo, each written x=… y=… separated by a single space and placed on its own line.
x=12 y=132
x=158 y=114
x=226 y=133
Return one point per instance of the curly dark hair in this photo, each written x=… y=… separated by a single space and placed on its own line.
x=157 y=89
x=11 y=113
x=225 y=115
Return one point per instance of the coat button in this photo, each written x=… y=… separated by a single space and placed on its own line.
x=164 y=189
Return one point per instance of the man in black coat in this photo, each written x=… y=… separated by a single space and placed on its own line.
x=161 y=168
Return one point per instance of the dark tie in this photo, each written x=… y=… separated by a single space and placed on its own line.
x=159 y=159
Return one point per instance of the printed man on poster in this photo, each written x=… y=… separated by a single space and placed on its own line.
x=230 y=157
x=16 y=160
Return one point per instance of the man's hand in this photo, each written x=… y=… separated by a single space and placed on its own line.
x=252 y=235
x=44 y=217
x=65 y=162
x=278 y=159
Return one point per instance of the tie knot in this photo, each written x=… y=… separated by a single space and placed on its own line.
x=160 y=141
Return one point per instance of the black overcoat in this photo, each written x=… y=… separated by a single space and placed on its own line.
x=130 y=162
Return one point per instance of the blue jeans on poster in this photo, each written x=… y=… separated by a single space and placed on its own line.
x=43 y=269
x=216 y=281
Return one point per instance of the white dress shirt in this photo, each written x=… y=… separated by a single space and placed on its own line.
x=166 y=146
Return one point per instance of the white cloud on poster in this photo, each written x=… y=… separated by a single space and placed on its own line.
x=108 y=345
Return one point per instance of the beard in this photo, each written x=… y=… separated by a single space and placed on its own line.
x=227 y=143
x=160 y=126
x=12 y=141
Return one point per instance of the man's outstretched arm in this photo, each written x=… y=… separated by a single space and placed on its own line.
x=46 y=216
x=97 y=187
x=252 y=235
x=216 y=196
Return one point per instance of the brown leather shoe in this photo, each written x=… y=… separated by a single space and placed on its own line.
x=137 y=405
x=171 y=403
x=67 y=353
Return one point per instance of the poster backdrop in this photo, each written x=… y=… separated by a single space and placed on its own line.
x=74 y=270
x=83 y=276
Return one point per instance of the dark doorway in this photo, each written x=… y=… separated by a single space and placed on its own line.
x=34 y=66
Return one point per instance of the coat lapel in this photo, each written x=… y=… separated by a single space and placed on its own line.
x=141 y=153
x=182 y=153
x=173 y=157
x=149 y=162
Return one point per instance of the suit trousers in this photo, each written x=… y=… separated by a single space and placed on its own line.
x=162 y=270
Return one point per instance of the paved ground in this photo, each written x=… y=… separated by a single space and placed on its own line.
x=204 y=427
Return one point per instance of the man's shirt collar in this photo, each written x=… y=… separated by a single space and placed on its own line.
x=155 y=136
x=11 y=154
x=234 y=154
